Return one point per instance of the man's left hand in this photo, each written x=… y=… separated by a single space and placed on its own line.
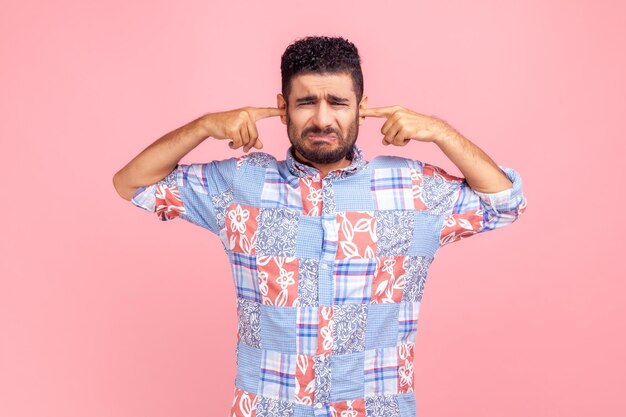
x=403 y=124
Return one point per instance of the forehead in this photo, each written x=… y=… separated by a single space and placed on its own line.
x=337 y=84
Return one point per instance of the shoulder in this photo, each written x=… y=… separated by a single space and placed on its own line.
x=387 y=161
x=415 y=166
x=434 y=171
x=257 y=159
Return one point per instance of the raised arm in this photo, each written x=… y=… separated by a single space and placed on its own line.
x=160 y=158
x=402 y=125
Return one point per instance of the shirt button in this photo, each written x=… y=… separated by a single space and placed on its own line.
x=323 y=266
x=318 y=405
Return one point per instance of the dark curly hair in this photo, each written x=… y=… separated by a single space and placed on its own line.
x=320 y=55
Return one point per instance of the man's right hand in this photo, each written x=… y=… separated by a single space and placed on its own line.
x=239 y=125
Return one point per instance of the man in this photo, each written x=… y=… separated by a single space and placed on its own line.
x=329 y=252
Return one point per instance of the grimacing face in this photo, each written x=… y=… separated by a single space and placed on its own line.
x=322 y=117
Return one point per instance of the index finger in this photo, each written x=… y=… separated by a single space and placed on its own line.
x=377 y=112
x=263 y=112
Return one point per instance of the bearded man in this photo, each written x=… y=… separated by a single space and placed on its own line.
x=329 y=252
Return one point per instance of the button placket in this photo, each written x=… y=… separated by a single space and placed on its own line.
x=329 y=245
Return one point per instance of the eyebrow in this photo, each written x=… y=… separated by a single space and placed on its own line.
x=314 y=98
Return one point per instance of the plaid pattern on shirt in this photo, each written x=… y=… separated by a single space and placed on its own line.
x=246 y=279
x=381 y=371
x=353 y=280
x=307 y=323
x=328 y=292
x=408 y=322
x=278 y=375
x=280 y=192
x=393 y=188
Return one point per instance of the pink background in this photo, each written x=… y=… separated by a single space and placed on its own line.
x=105 y=311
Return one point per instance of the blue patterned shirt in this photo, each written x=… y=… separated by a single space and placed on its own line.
x=329 y=272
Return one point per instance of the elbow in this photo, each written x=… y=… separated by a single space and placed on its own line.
x=124 y=191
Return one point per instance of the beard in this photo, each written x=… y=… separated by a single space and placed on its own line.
x=323 y=153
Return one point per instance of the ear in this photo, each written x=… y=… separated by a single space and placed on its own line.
x=362 y=106
x=281 y=103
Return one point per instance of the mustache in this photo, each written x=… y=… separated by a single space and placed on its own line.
x=318 y=131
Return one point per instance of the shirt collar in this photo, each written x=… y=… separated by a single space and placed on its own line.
x=303 y=170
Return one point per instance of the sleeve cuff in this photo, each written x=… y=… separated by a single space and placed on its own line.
x=505 y=200
x=145 y=198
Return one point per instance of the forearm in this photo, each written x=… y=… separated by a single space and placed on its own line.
x=480 y=171
x=160 y=158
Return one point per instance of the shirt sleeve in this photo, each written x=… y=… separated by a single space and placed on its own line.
x=467 y=212
x=199 y=193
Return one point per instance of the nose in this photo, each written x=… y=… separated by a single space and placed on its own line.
x=323 y=116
